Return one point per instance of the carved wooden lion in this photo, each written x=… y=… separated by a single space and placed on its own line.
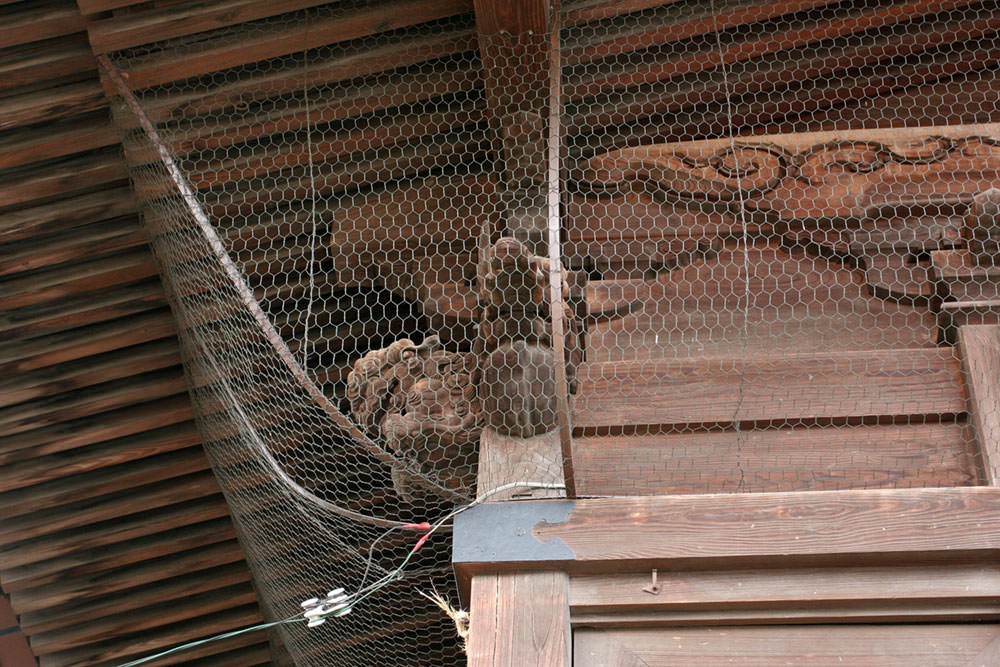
x=420 y=399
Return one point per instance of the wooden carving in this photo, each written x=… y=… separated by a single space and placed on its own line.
x=808 y=176
x=981 y=230
x=421 y=400
x=517 y=375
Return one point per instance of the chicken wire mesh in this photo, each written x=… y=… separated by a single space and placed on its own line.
x=723 y=247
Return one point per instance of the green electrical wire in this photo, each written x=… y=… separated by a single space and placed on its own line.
x=362 y=593
x=226 y=635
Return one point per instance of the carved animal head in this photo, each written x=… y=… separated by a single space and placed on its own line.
x=515 y=280
x=420 y=399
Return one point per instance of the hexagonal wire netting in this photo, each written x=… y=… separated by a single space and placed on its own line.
x=772 y=219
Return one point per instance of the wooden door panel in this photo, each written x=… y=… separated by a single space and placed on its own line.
x=927 y=645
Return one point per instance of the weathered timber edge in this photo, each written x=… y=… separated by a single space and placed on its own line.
x=710 y=531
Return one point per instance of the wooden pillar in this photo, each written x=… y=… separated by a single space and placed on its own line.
x=514 y=44
x=519 y=618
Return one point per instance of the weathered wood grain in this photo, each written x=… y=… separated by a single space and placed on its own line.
x=763 y=646
x=979 y=348
x=785 y=389
x=781 y=588
x=123 y=31
x=507 y=459
x=841 y=526
x=520 y=619
x=786 y=459
x=37 y=21
x=282 y=40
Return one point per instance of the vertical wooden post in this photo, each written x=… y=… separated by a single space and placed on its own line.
x=519 y=619
x=514 y=47
x=523 y=619
x=519 y=47
x=979 y=346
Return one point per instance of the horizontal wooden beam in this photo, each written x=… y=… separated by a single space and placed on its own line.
x=835 y=387
x=729 y=530
x=281 y=40
x=953 y=591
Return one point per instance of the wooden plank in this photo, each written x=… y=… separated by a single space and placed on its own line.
x=20 y=356
x=894 y=587
x=829 y=309
x=39 y=62
x=348 y=61
x=881 y=611
x=40 y=21
x=67 y=213
x=184 y=18
x=88 y=241
x=49 y=142
x=809 y=528
x=764 y=646
x=791 y=40
x=97 y=6
x=127 y=528
x=96 y=400
x=92 y=562
x=990 y=655
x=74 y=375
x=793 y=388
x=394 y=131
x=674 y=22
x=70 y=281
x=145 y=620
x=786 y=459
x=151 y=496
x=586 y=11
x=506 y=459
x=51 y=104
x=403 y=161
x=956 y=100
x=519 y=619
x=103 y=305
x=112 y=467
x=151 y=642
x=160 y=591
x=98 y=428
x=352 y=23
x=772 y=106
x=78 y=174
x=979 y=348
